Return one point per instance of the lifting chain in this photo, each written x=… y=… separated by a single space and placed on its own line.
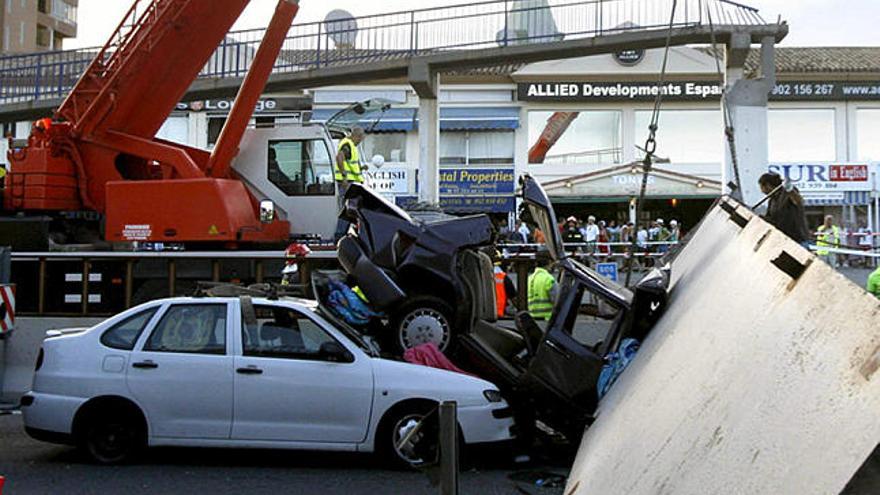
x=650 y=144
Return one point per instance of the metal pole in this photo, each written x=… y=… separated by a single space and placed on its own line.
x=449 y=448
x=85 y=286
x=41 y=287
x=259 y=271
x=129 y=282
x=522 y=285
x=172 y=277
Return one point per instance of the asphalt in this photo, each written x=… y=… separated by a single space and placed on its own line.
x=32 y=467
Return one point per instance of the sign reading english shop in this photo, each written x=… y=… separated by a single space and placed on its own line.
x=691 y=91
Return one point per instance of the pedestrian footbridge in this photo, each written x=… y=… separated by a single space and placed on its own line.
x=423 y=41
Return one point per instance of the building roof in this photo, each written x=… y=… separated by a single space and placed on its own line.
x=817 y=59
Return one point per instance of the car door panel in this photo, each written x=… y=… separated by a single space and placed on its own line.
x=184 y=394
x=300 y=397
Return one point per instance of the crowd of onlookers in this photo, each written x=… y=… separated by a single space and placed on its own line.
x=600 y=236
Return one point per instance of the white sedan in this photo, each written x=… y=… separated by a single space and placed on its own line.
x=225 y=372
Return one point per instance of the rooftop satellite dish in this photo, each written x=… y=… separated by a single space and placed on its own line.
x=341 y=27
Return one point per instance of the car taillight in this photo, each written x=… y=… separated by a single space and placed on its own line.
x=39 y=360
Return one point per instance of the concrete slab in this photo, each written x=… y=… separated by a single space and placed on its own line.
x=752 y=382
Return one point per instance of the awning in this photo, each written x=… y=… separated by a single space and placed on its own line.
x=837 y=199
x=393 y=120
x=478 y=118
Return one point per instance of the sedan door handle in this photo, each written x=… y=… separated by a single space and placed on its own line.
x=145 y=365
x=250 y=370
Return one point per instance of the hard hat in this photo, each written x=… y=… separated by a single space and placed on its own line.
x=673 y=222
x=297 y=250
x=571 y=219
x=660 y=221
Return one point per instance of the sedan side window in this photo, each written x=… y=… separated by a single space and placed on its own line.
x=191 y=328
x=124 y=334
x=283 y=332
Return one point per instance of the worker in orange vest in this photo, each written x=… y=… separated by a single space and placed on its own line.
x=502 y=288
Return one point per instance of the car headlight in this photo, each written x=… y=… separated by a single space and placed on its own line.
x=493 y=395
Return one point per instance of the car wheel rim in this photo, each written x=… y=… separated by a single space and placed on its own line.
x=424 y=326
x=111 y=442
x=401 y=429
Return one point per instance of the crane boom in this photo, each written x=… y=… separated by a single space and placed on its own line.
x=100 y=152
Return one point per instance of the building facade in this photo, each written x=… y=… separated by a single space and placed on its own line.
x=578 y=125
x=37 y=25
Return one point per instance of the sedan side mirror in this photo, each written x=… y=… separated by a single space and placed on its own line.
x=335 y=352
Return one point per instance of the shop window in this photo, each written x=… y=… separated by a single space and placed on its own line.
x=590 y=138
x=391 y=145
x=215 y=127
x=476 y=148
x=175 y=129
x=801 y=135
x=684 y=136
x=44 y=36
x=868 y=134
x=301 y=167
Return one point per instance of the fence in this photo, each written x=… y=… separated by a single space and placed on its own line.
x=368 y=39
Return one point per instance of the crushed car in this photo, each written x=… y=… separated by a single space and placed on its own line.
x=419 y=271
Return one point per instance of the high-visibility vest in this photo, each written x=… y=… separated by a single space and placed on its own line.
x=540 y=301
x=500 y=293
x=352 y=166
x=830 y=238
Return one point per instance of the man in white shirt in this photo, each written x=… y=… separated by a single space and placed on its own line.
x=591 y=233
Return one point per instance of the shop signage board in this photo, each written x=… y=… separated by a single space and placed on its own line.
x=464 y=189
x=476 y=181
x=692 y=90
x=826 y=177
x=264 y=105
x=476 y=204
x=389 y=180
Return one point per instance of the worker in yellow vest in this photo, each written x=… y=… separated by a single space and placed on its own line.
x=542 y=290
x=828 y=236
x=349 y=170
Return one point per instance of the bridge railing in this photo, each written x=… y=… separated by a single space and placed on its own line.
x=374 y=38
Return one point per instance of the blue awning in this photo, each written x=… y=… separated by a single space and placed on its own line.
x=393 y=120
x=478 y=118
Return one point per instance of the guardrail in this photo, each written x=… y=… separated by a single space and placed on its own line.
x=373 y=38
x=105 y=283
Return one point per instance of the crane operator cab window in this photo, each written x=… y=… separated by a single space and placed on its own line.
x=301 y=167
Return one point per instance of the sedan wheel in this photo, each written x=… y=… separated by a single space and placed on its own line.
x=111 y=441
x=401 y=428
x=425 y=326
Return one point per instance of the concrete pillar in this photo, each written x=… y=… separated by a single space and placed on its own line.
x=426 y=83
x=429 y=145
x=747 y=103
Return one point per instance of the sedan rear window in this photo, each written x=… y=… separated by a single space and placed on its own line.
x=124 y=334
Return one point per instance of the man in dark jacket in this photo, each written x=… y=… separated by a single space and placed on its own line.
x=785 y=211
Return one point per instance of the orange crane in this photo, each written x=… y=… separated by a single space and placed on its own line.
x=555 y=128
x=99 y=152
